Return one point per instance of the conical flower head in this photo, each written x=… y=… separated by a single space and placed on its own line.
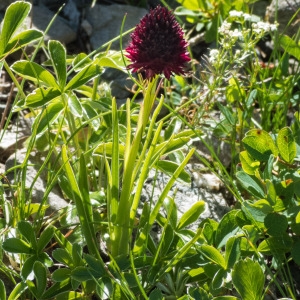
x=157 y=45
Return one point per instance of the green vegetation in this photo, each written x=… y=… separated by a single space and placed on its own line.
x=100 y=155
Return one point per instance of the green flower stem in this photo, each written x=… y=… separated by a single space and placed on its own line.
x=121 y=234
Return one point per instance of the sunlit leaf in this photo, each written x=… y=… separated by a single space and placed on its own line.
x=58 y=57
x=248 y=278
x=286 y=144
x=34 y=72
x=259 y=144
x=14 y=16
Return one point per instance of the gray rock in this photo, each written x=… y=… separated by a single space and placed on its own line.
x=60 y=30
x=54 y=198
x=185 y=195
x=106 y=21
x=283 y=11
x=5 y=3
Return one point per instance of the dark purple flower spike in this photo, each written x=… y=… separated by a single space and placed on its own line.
x=157 y=45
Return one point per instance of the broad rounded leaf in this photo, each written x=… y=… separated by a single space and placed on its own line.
x=227 y=228
x=286 y=144
x=251 y=184
x=259 y=144
x=274 y=245
x=276 y=224
x=249 y=165
x=61 y=274
x=248 y=279
x=258 y=210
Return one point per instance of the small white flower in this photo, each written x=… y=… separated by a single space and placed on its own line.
x=273 y=27
x=225 y=27
x=213 y=55
x=247 y=17
x=235 y=13
x=235 y=33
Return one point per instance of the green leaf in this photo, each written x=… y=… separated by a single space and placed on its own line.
x=258 y=210
x=232 y=252
x=95 y=264
x=27 y=231
x=169 y=167
x=61 y=274
x=70 y=295
x=2 y=290
x=249 y=165
x=75 y=105
x=276 y=245
x=259 y=144
x=276 y=224
x=106 y=149
x=13 y=18
x=112 y=59
x=191 y=215
x=34 y=72
x=227 y=228
x=45 y=238
x=62 y=256
x=40 y=278
x=248 y=279
x=290 y=46
x=17 y=291
x=48 y=116
x=286 y=144
x=296 y=252
x=251 y=184
x=57 y=288
x=213 y=255
x=90 y=113
x=81 y=61
x=171 y=211
x=22 y=39
x=15 y=245
x=83 y=76
x=82 y=274
x=58 y=57
x=41 y=96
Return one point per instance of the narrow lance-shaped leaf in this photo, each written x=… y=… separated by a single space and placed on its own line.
x=58 y=57
x=22 y=39
x=83 y=76
x=41 y=96
x=34 y=72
